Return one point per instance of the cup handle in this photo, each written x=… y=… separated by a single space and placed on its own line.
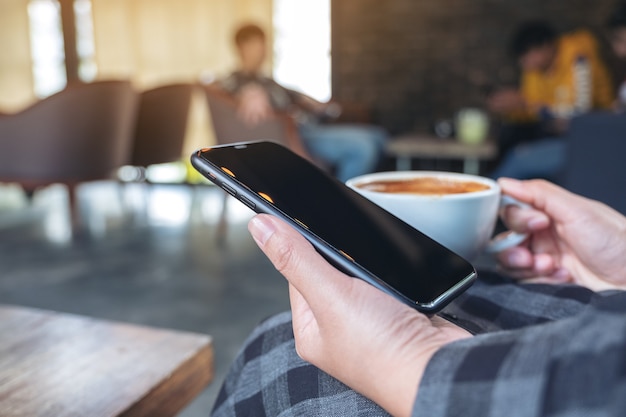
x=508 y=239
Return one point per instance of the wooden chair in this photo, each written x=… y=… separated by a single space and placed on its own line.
x=80 y=134
x=161 y=124
x=229 y=128
x=159 y=135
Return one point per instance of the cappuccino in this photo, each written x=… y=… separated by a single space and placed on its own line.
x=423 y=185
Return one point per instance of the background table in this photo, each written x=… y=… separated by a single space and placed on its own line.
x=408 y=147
x=54 y=364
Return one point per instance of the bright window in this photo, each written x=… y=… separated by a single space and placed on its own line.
x=46 y=40
x=47 y=49
x=302 y=58
x=87 y=68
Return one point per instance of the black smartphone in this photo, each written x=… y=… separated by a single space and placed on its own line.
x=355 y=235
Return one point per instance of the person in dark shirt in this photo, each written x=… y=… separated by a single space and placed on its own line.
x=351 y=149
x=550 y=335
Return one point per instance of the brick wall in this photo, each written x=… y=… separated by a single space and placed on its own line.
x=415 y=61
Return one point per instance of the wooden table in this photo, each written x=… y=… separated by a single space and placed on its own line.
x=54 y=364
x=406 y=148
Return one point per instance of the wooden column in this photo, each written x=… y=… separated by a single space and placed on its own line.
x=68 y=22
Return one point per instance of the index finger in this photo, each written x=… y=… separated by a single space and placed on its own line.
x=546 y=197
x=524 y=220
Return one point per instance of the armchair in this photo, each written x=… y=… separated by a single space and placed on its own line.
x=80 y=134
x=161 y=124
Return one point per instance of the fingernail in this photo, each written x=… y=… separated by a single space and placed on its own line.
x=538 y=223
x=261 y=229
x=561 y=274
x=514 y=258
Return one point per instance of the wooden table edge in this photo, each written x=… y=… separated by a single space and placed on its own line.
x=191 y=378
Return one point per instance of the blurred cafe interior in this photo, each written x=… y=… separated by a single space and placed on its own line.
x=103 y=219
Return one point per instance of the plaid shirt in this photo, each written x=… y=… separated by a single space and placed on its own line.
x=540 y=350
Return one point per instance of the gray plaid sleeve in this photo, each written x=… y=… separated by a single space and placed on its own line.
x=540 y=351
x=569 y=367
x=269 y=379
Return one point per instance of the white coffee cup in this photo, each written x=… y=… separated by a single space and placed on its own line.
x=463 y=222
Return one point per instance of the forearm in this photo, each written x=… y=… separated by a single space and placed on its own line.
x=513 y=105
x=542 y=370
x=397 y=377
x=522 y=114
x=307 y=103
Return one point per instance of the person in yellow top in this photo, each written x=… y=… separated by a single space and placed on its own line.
x=562 y=76
x=574 y=80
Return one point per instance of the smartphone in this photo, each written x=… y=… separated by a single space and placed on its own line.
x=355 y=235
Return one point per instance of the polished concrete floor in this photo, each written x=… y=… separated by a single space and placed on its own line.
x=145 y=255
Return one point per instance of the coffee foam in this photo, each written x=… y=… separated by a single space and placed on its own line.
x=423 y=186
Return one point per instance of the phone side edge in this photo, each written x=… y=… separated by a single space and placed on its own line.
x=331 y=254
x=444 y=299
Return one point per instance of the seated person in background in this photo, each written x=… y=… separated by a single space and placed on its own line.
x=551 y=344
x=562 y=76
x=351 y=150
x=616 y=25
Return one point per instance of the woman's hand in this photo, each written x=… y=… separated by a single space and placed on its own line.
x=572 y=239
x=368 y=340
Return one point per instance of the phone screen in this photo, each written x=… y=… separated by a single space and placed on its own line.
x=411 y=263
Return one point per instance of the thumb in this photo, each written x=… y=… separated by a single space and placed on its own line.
x=296 y=259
